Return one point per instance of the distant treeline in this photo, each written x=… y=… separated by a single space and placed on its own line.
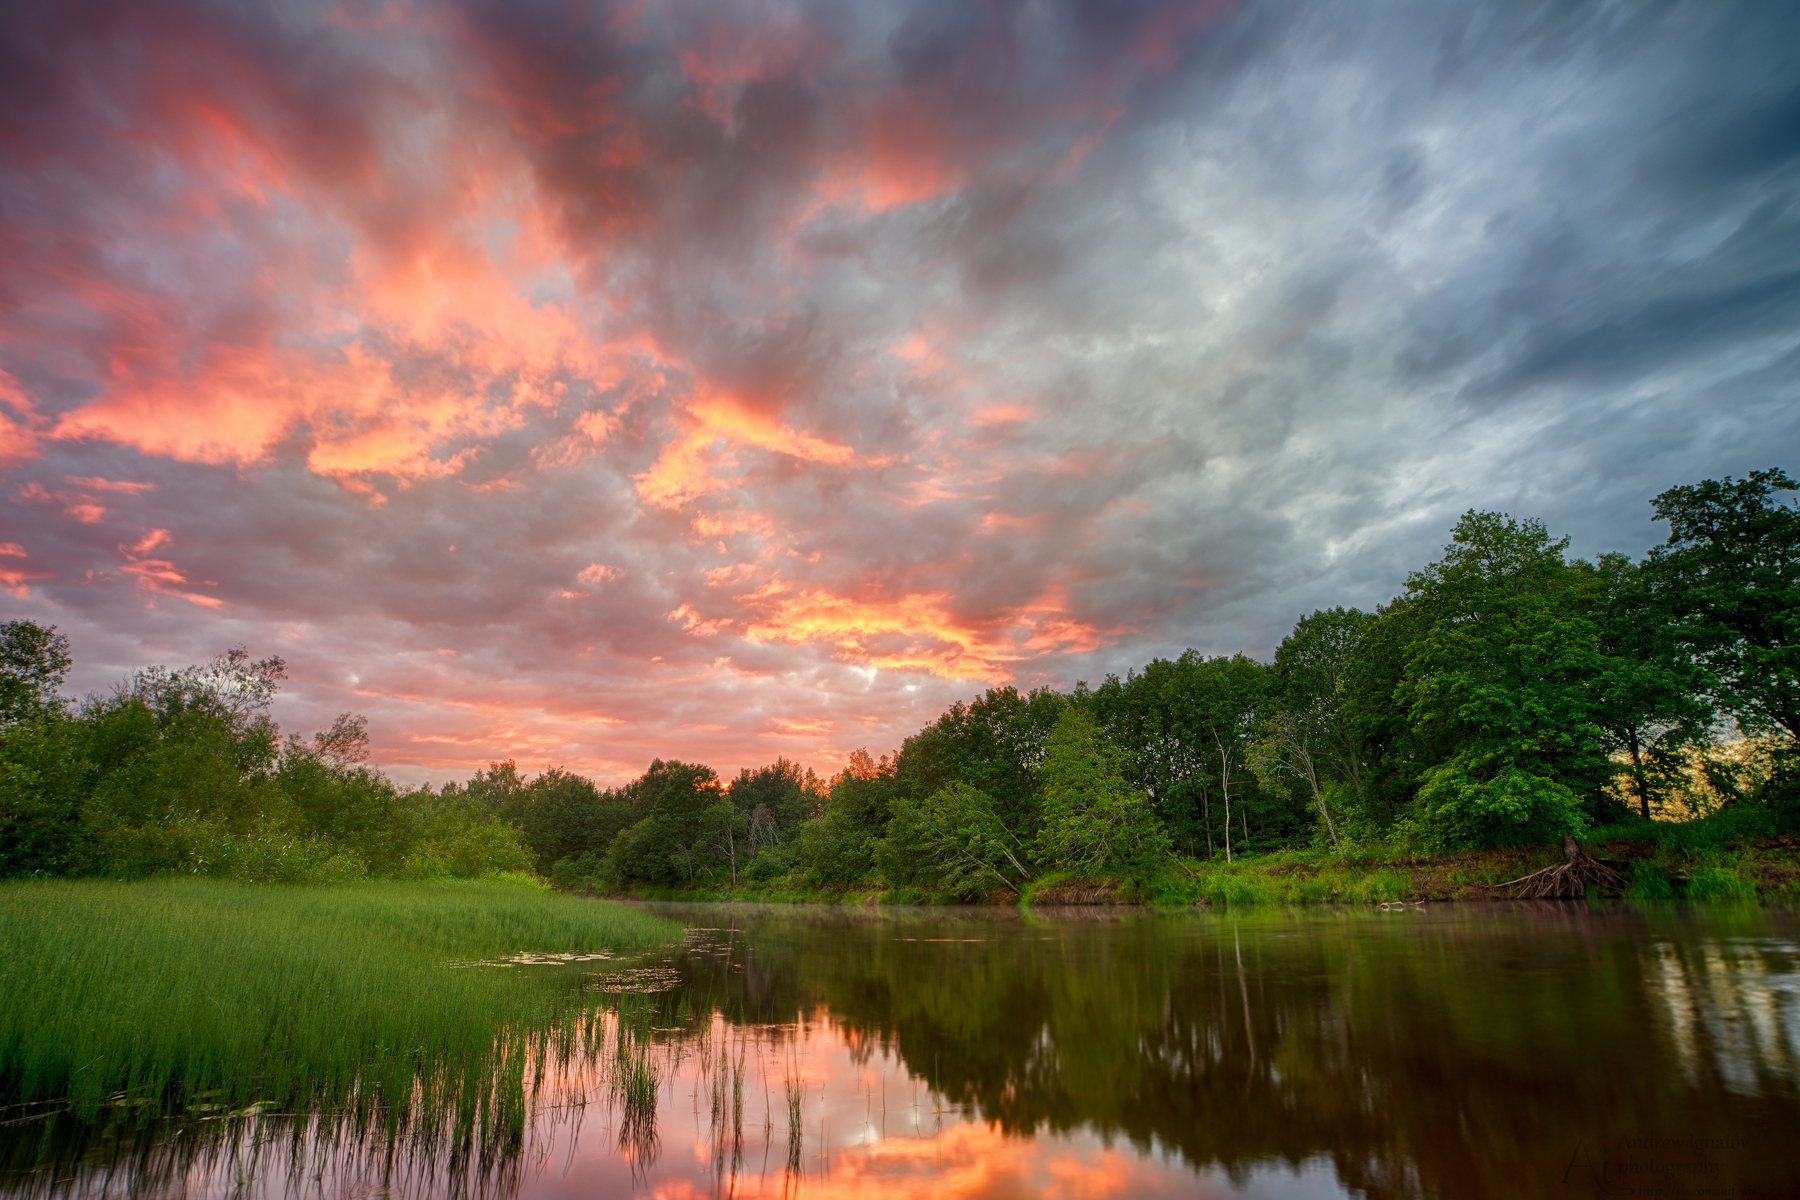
x=1509 y=695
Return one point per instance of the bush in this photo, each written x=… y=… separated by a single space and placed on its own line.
x=953 y=841
x=460 y=845
x=1456 y=810
x=835 y=849
x=771 y=862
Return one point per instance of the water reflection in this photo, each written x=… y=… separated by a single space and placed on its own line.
x=1457 y=1052
x=1732 y=1005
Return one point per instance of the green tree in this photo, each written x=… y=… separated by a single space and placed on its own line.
x=1653 y=694
x=992 y=744
x=1232 y=694
x=34 y=660
x=1290 y=749
x=45 y=775
x=837 y=846
x=1094 y=822
x=1313 y=683
x=669 y=843
x=1505 y=676
x=1730 y=572
x=1155 y=717
x=953 y=840
x=786 y=792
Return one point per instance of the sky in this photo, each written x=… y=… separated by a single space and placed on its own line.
x=589 y=383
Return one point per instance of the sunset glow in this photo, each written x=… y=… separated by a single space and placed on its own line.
x=583 y=384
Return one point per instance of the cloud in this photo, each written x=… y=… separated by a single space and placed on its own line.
x=722 y=380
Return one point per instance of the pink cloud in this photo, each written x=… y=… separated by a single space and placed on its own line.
x=545 y=384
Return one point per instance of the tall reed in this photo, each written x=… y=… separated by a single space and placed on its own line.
x=195 y=994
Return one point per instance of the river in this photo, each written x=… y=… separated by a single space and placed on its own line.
x=1457 y=1051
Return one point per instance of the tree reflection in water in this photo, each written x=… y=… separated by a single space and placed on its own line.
x=1471 y=1051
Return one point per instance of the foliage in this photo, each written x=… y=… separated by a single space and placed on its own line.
x=1094 y=822
x=835 y=848
x=1652 y=702
x=34 y=660
x=677 y=807
x=993 y=744
x=954 y=841
x=1505 y=673
x=1730 y=572
x=1321 y=740
x=183 y=772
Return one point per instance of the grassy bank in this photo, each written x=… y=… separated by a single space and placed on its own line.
x=1723 y=857
x=172 y=993
x=1764 y=868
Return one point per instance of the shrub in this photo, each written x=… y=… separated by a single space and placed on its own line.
x=1455 y=808
x=835 y=849
x=771 y=862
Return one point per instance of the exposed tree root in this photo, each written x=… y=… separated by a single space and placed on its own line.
x=1078 y=891
x=1570 y=877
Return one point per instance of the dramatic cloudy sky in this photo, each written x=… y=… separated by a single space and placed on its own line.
x=585 y=383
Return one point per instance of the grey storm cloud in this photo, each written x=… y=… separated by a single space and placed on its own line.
x=588 y=383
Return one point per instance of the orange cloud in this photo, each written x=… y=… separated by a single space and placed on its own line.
x=97 y=484
x=1004 y=412
x=13 y=579
x=160 y=575
x=911 y=632
x=684 y=470
x=18 y=434
x=692 y=622
x=920 y=631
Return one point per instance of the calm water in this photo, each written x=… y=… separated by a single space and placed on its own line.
x=1457 y=1051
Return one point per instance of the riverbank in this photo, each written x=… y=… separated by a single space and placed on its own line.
x=1694 y=861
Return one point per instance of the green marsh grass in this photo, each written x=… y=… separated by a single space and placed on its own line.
x=176 y=996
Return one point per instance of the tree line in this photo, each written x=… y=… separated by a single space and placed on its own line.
x=1510 y=694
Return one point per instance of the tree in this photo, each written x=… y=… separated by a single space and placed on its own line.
x=730 y=834
x=1652 y=701
x=1232 y=692
x=1287 y=748
x=953 y=839
x=501 y=787
x=837 y=845
x=1730 y=572
x=669 y=842
x=1313 y=681
x=1505 y=677
x=1154 y=717
x=1094 y=822
x=993 y=744
x=784 y=792
x=346 y=743
x=34 y=660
